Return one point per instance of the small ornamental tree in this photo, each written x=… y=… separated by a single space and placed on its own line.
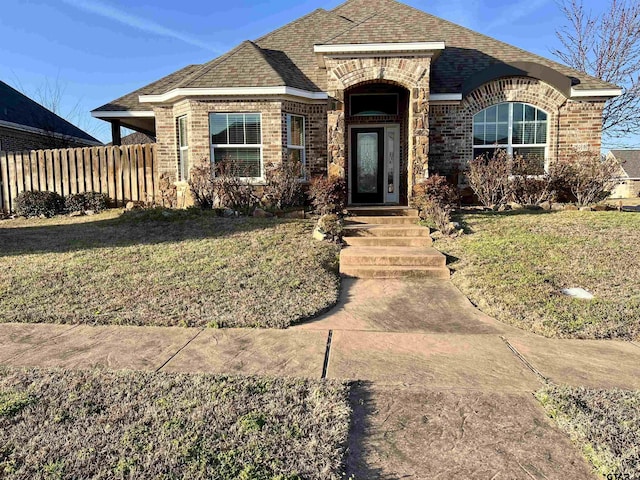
x=488 y=177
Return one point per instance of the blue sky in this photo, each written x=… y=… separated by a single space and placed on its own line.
x=99 y=50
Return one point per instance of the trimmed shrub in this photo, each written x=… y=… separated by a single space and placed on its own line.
x=36 y=204
x=488 y=177
x=328 y=195
x=220 y=186
x=435 y=198
x=81 y=202
x=586 y=176
x=283 y=188
x=529 y=186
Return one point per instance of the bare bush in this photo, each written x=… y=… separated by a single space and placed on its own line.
x=232 y=191
x=488 y=177
x=202 y=185
x=588 y=176
x=283 y=188
x=328 y=195
x=526 y=187
x=435 y=198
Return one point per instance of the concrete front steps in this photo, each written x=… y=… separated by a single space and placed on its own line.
x=387 y=242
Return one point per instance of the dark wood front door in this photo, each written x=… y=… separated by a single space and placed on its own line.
x=367 y=165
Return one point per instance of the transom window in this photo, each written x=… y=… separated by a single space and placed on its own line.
x=518 y=128
x=374 y=104
x=237 y=138
x=296 y=141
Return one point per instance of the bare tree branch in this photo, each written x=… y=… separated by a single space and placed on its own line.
x=606 y=46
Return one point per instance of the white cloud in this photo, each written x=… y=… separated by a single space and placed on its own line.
x=107 y=11
x=515 y=12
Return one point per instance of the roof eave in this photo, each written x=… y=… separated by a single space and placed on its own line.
x=595 y=93
x=179 y=93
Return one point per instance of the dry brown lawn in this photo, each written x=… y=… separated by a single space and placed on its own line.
x=164 y=268
x=514 y=266
x=57 y=424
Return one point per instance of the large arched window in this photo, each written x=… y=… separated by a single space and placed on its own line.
x=518 y=128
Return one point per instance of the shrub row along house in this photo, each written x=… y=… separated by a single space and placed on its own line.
x=374 y=91
x=27 y=125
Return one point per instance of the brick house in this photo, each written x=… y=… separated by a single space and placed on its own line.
x=27 y=125
x=629 y=179
x=373 y=90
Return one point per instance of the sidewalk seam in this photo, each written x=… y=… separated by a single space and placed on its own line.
x=526 y=362
x=327 y=353
x=180 y=350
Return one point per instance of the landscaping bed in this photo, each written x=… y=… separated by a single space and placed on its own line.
x=514 y=266
x=58 y=424
x=604 y=423
x=165 y=268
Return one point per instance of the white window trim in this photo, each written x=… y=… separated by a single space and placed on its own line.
x=509 y=146
x=259 y=179
x=184 y=176
x=303 y=147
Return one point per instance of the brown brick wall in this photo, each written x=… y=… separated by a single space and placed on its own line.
x=571 y=124
x=12 y=140
x=315 y=134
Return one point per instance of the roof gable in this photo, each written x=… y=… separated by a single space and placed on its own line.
x=19 y=109
x=630 y=160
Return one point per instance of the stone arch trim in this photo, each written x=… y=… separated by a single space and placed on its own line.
x=514 y=89
x=408 y=73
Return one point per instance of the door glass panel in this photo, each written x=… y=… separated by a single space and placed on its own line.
x=367 y=162
x=391 y=161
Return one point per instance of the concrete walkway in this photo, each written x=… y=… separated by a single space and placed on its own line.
x=443 y=390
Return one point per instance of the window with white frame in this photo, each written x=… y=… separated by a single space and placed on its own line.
x=236 y=138
x=183 y=144
x=296 y=141
x=518 y=128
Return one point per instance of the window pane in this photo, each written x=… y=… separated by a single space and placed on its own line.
x=529 y=113
x=541 y=133
x=503 y=112
x=218 y=128
x=184 y=164
x=236 y=129
x=479 y=117
x=542 y=116
x=296 y=131
x=245 y=162
x=295 y=155
x=385 y=104
x=503 y=133
x=517 y=133
x=478 y=134
x=490 y=134
x=492 y=114
x=529 y=136
x=518 y=112
x=486 y=152
x=253 y=129
x=182 y=131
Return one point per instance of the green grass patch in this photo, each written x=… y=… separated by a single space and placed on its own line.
x=120 y=425
x=515 y=265
x=604 y=423
x=165 y=268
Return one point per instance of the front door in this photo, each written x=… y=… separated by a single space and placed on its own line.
x=367 y=165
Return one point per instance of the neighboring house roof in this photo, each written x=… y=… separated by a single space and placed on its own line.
x=19 y=111
x=630 y=160
x=286 y=57
x=136 y=138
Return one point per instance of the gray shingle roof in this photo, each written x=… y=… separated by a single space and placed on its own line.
x=286 y=56
x=630 y=160
x=17 y=108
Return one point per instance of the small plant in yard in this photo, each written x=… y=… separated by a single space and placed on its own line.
x=39 y=204
x=587 y=176
x=332 y=226
x=328 y=194
x=283 y=188
x=435 y=198
x=82 y=202
x=488 y=177
x=201 y=183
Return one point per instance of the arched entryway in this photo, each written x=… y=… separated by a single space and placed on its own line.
x=376 y=117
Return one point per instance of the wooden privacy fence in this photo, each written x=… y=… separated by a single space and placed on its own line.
x=123 y=173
